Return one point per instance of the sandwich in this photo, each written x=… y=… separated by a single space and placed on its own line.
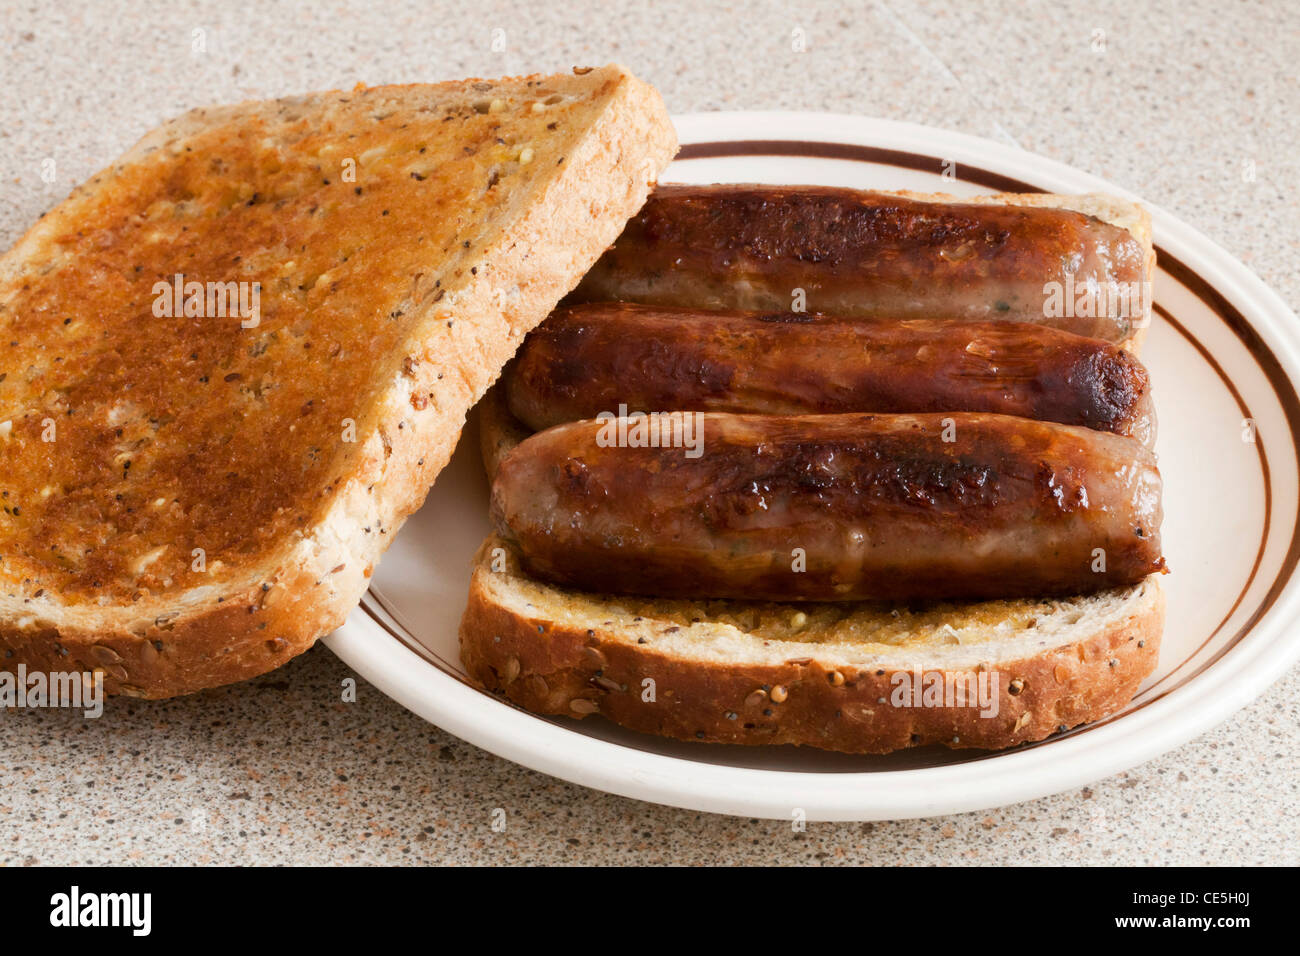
x=854 y=470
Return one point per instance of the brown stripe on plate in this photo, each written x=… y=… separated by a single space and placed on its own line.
x=852 y=153
x=399 y=631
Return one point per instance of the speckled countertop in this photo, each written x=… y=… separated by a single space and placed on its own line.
x=279 y=771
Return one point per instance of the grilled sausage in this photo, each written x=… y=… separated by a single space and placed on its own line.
x=588 y=359
x=832 y=507
x=874 y=255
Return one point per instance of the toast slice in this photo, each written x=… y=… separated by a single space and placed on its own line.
x=843 y=671
x=194 y=492
x=859 y=678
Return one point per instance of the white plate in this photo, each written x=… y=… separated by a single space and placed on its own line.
x=1222 y=349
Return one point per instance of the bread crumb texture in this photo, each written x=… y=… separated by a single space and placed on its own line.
x=814 y=674
x=352 y=214
x=400 y=241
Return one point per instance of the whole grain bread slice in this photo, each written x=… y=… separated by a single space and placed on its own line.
x=857 y=677
x=192 y=499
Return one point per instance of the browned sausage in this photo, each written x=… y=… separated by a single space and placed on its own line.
x=874 y=506
x=588 y=359
x=873 y=255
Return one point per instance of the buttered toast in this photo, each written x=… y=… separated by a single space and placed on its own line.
x=235 y=360
x=826 y=675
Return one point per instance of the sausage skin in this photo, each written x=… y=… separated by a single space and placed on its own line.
x=834 y=507
x=872 y=255
x=588 y=359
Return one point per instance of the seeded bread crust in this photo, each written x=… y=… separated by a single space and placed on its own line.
x=534 y=236
x=741 y=673
x=499 y=431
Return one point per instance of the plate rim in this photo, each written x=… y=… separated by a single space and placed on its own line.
x=1260 y=657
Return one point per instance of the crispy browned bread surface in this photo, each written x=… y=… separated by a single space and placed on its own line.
x=192 y=499
x=833 y=676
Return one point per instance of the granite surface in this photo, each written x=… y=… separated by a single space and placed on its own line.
x=1167 y=99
